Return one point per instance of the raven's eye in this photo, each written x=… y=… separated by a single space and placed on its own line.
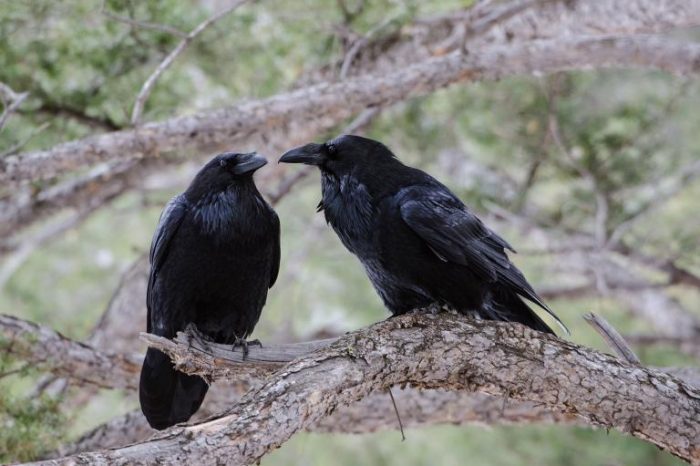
x=331 y=149
x=222 y=163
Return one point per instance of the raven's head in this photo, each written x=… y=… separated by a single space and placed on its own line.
x=224 y=171
x=343 y=155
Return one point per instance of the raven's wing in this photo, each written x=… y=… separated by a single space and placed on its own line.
x=456 y=235
x=275 y=249
x=169 y=222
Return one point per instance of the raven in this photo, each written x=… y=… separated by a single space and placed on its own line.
x=419 y=244
x=214 y=255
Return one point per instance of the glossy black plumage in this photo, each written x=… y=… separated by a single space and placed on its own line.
x=214 y=255
x=418 y=242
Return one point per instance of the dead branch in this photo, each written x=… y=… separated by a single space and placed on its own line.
x=143 y=24
x=168 y=61
x=443 y=351
x=418 y=408
x=28 y=245
x=16 y=147
x=203 y=131
x=49 y=350
x=85 y=193
x=612 y=337
x=641 y=16
x=442 y=34
x=11 y=101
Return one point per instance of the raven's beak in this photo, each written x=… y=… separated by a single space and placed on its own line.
x=310 y=154
x=248 y=163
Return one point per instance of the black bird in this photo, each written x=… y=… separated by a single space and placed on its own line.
x=419 y=244
x=214 y=255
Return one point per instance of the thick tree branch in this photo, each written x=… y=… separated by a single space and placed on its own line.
x=49 y=350
x=68 y=358
x=84 y=193
x=203 y=131
x=443 y=351
x=444 y=33
x=418 y=408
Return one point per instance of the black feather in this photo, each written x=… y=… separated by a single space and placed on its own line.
x=418 y=242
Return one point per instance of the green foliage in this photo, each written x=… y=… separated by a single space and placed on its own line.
x=28 y=427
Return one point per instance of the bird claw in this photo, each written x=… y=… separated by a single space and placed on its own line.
x=193 y=334
x=243 y=343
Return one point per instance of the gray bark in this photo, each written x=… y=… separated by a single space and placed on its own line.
x=426 y=351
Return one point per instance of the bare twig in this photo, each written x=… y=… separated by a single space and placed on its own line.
x=19 y=145
x=143 y=24
x=661 y=195
x=168 y=61
x=612 y=337
x=602 y=208
x=11 y=101
x=398 y=416
x=362 y=42
x=14 y=261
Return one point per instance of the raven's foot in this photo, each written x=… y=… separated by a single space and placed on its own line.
x=243 y=343
x=193 y=334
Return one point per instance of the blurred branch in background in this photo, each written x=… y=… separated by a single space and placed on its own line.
x=172 y=56
x=143 y=24
x=11 y=101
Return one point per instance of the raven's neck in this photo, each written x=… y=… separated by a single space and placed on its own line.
x=348 y=208
x=231 y=211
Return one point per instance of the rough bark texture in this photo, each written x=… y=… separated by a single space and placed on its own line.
x=443 y=34
x=49 y=350
x=203 y=131
x=443 y=351
x=418 y=408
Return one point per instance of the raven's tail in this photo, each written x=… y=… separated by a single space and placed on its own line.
x=168 y=396
x=508 y=306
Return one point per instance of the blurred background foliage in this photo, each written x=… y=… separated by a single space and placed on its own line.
x=627 y=132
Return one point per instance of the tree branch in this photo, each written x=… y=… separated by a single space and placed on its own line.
x=11 y=101
x=165 y=64
x=612 y=337
x=418 y=408
x=49 y=350
x=143 y=24
x=442 y=34
x=341 y=100
x=85 y=193
x=443 y=351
